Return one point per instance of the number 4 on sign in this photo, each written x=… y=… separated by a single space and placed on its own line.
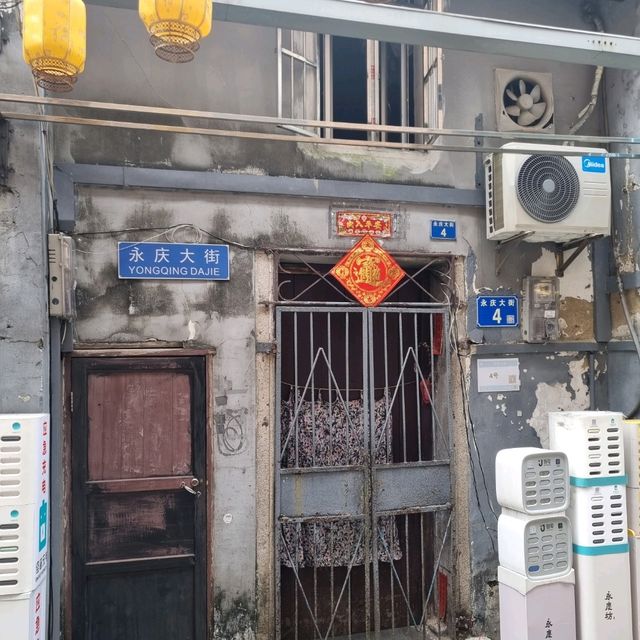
x=497 y=316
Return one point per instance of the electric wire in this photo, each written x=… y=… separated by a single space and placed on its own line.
x=168 y=232
x=472 y=442
x=591 y=14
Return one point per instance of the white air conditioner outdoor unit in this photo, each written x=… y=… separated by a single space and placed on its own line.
x=543 y=197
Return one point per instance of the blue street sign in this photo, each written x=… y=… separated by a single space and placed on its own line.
x=498 y=311
x=443 y=230
x=171 y=261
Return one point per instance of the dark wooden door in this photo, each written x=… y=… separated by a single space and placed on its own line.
x=139 y=499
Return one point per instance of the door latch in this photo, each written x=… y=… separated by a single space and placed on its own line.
x=190 y=489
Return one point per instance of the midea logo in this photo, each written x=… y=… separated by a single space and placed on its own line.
x=594 y=165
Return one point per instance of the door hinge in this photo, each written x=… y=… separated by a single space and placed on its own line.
x=72 y=402
x=267 y=347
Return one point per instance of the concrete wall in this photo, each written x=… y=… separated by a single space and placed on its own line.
x=236 y=71
x=24 y=326
x=227 y=78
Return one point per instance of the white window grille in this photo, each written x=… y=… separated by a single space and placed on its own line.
x=432 y=79
x=403 y=83
x=298 y=77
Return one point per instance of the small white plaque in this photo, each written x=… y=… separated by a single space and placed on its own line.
x=501 y=374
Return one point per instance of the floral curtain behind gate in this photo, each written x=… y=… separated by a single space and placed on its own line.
x=327 y=433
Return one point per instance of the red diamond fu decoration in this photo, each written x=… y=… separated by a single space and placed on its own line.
x=368 y=272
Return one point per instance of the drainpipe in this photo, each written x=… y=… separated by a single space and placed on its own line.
x=591 y=15
x=622 y=112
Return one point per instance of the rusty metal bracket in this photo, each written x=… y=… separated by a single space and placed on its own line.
x=267 y=347
x=578 y=246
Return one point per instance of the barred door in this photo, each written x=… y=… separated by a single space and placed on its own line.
x=363 y=487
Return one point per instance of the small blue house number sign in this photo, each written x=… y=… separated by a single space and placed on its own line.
x=498 y=311
x=443 y=230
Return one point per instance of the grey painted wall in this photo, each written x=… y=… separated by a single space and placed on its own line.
x=236 y=71
x=512 y=419
x=214 y=314
x=24 y=340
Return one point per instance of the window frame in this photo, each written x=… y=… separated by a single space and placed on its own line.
x=426 y=81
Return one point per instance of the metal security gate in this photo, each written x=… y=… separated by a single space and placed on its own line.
x=362 y=471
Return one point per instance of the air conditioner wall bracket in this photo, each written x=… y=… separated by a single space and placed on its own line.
x=578 y=246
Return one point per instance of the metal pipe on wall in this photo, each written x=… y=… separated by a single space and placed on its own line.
x=297 y=122
x=252 y=135
x=621 y=114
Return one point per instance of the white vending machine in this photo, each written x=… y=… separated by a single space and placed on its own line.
x=593 y=442
x=535 y=576
x=24 y=525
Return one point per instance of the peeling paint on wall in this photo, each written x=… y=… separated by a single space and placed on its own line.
x=571 y=396
x=577 y=281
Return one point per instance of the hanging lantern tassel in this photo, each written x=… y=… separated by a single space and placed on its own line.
x=176 y=26
x=54 y=41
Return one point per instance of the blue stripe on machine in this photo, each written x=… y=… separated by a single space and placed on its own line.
x=601 y=551
x=597 y=482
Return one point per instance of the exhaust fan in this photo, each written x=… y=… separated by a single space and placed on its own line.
x=524 y=101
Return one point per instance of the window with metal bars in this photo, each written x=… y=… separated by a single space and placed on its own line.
x=337 y=79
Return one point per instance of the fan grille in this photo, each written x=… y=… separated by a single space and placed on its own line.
x=548 y=188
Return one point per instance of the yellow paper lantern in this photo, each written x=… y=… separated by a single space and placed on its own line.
x=54 y=41
x=176 y=26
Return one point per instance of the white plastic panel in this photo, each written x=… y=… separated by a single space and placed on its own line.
x=632 y=452
x=592 y=441
x=633 y=510
x=24 y=458
x=533 y=481
x=535 y=547
x=599 y=516
x=549 y=607
x=24 y=617
x=23 y=548
x=603 y=597
x=634 y=557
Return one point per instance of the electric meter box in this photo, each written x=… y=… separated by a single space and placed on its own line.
x=23 y=547
x=536 y=547
x=532 y=481
x=603 y=596
x=535 y=609
x=24 y=617
x=631 y=430
x=593 y=442
x=62 y=285
x=540 y=312
x=24 y=459
x=599 y=518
